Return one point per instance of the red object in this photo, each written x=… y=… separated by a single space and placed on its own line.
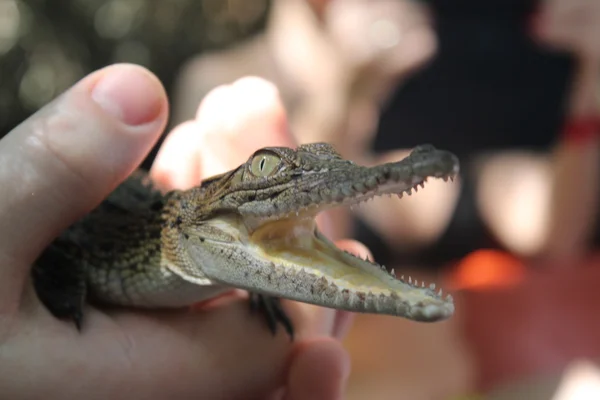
x=581 y=130
x=534 y=327
x=485 y=268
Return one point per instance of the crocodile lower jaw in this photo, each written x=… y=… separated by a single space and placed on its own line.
x=301 y=253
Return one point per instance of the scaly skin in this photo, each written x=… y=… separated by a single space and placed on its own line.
x=251 y=228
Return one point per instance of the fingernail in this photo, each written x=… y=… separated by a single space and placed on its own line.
x=130 y=94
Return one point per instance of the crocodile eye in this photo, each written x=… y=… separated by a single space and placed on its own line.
x=264 y=164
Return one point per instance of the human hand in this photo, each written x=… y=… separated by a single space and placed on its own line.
x=574 y=26
x=381 y=37
x=360 y=52
x=63 y=161
x=570 y=25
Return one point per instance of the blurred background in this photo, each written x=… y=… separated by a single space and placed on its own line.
x=510 y=86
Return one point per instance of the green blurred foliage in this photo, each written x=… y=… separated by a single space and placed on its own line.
x=47 y=45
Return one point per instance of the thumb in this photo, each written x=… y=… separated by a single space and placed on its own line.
x=319 y=370
x=62 y=161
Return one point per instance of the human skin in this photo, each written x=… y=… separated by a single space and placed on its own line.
x=63 y=161
x=573 y=26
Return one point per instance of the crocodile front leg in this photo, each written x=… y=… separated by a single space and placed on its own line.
x=273 y=311
x=60 y=284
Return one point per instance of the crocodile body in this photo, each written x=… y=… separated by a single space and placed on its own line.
x=251 y=228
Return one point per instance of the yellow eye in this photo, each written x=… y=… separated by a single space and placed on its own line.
x=264 y=164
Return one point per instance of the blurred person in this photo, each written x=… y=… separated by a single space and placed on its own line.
x=334 y=63
x=341 y=65
x=499 y=93
x=495 y=79
x=65 y=159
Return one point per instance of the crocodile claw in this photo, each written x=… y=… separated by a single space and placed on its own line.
x=273 y=311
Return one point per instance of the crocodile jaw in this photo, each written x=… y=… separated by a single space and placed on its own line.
x=261 y=235
x=290 y=258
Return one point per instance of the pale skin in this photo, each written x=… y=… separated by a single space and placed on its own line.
x=64 y=160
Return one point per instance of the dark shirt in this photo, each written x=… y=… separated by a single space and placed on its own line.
x=489 y=86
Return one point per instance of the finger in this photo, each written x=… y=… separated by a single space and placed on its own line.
x=561 y=7
x=232 y=122
x=326 y=321
x=224 y=351
x=344 y=319
x=238 y=120
x=177 y=165
x=67 y=157
x=567 y=25
x=319 y=369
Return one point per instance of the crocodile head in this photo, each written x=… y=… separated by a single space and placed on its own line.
x=254 y=228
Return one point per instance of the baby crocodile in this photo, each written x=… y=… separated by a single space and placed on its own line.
x=251 y=228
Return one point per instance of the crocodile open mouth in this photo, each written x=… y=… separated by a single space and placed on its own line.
x=286 y=255
x=341 y=279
